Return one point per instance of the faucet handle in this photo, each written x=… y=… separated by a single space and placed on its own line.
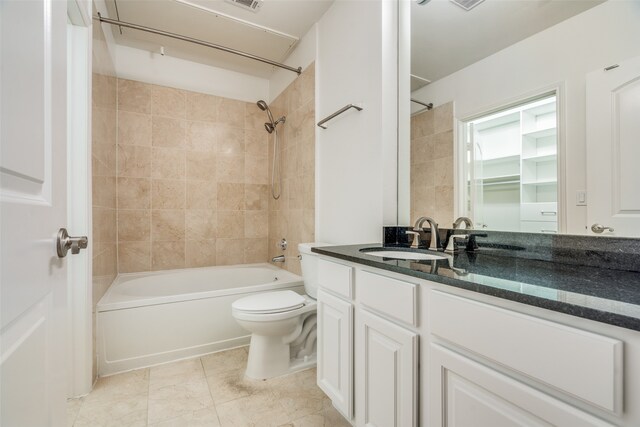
x=415 y=243
x=451 y=244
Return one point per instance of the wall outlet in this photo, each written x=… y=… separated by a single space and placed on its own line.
x=581 y=198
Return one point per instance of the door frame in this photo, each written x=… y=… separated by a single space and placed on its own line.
x=460 y=136
x=79 y=189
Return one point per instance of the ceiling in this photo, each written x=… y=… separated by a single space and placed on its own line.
x=270 y=33
x=445 y=38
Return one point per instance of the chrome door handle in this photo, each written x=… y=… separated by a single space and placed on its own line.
x=599 y=228
x=66 y=242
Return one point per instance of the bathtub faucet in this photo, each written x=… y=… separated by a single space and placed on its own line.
x=279 y=258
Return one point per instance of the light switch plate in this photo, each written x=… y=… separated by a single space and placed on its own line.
x=581 y=198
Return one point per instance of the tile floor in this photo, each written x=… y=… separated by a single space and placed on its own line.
x=207 y=391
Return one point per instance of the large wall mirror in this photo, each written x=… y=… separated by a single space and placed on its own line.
x=525 y=116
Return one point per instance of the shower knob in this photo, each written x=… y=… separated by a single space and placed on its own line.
x=282 y=244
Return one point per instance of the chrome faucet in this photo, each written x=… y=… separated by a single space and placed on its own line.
x=434 y=244
x=468 y=224
x=279 y=258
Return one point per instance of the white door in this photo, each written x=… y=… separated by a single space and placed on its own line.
x=335 y=351
x=464 y=393
x=387 y=373
x=613 y=150
x=33 y=208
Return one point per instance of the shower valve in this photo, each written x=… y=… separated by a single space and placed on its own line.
x=282 y=244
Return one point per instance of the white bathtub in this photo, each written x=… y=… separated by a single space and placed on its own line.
x=149 y=318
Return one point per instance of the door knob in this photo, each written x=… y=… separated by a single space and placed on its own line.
x=66 y=242
x=599 y=228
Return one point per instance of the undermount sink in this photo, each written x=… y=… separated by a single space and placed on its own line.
x=403 y=255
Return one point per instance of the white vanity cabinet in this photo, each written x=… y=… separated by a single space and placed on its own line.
x=335 y=335
x=386 y=356
x=431 y=355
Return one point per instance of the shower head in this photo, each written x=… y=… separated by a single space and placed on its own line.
x=270 y=127
x=264 y=107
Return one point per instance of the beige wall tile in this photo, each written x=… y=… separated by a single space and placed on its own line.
x=231 y=112
x=167 y=132
x=256 y=197
x=104 y=191
x=104 y=91
x=134 y=256
x=254 y=118
x=422 y=149
x=256 y=224
x=230 y=168
x=202 y=107
x=256 y=142
x=229 y=251
x=201 y=224
x=201 y=165
x=422 y=124
x=230 y=197
x=201 y=195
x=443 y=172
x=168 y=194
x=167 y=163
x=167 y=225
x=256 y=250
x=103 y=125
x=230 y=224
x=134 y=128
x=170 y=102
x=134 y=161
x=443 y=145
x=167 y=255
x=256 y=170
x=134 y=96
x=201 y=136
x=200 y=253
x=103 y=160
x=134 y=193
x=443 y=118
x=134 y=225
x=230 y=141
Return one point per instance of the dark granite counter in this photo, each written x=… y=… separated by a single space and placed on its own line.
x=600 y=294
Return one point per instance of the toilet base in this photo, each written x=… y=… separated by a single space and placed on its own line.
x=269 y=358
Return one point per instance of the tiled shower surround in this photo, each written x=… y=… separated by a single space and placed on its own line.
x=193 y=177
x=292 y=215
x=432 y=164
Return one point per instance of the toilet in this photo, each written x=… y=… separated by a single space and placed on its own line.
x=282 y=324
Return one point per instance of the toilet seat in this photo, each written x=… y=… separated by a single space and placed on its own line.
x=269 y=303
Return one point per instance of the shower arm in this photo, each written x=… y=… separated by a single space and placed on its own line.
x=195 y=41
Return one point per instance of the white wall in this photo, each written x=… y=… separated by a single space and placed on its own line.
x=563 y=55
x=302 y=56
x=356 y=157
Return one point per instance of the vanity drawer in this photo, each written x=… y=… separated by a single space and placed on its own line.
x=392 y=297
x=337 y=278
x=538 y=227
x=578 y=363
x=539 y=212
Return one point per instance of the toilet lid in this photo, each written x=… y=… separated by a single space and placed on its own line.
x=270 y=302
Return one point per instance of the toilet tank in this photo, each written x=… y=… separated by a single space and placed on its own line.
x=309 y=265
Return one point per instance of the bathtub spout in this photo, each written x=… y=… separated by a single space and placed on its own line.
x=279 y=258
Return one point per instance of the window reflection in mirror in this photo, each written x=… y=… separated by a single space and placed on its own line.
x=511 y=167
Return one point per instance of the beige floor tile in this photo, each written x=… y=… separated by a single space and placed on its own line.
x=177 y=400
x=207 y=417
x=122 y=411
x=257 y=410
x=224 y=361
x=231 y=385
x=175 y=373
x=73 y=407
x=119 y=387
x=298 y=394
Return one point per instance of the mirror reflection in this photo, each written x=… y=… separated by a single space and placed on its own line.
x=524 y=116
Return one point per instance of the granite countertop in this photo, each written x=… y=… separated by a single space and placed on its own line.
x=600 y=294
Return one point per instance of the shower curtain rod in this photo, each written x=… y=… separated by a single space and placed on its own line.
x=429 y=105
x=196 y=41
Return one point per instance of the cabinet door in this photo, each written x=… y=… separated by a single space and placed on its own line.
x=387 y=376
x=464 y=393
x=335 y=351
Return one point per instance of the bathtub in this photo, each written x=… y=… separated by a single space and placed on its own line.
x=146 y=319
